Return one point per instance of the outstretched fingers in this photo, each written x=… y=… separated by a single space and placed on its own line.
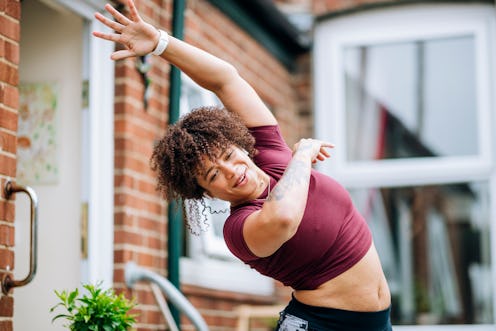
x=107 y=36
x=117 y=15
x=323 y=152
x=122 y=54
x=133 y=11
x=109 y=23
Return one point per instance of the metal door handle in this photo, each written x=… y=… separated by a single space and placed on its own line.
x=7 y=281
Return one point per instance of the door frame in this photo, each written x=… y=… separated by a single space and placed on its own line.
x=98 y=169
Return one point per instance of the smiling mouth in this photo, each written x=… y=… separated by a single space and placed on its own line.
x=240 y=179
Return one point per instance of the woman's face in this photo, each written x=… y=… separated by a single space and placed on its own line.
x=232 y=176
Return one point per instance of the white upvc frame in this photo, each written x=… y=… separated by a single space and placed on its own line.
x=211 y=264
x=405 y=23
x=100 y=74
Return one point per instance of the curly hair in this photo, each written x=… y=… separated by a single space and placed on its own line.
x=201 y=133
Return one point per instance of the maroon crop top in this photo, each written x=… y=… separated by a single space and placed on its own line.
x=332 y=235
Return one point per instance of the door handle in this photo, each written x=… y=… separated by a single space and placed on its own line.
x=7 y=281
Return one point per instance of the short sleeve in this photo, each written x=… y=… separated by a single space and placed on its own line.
x=233 y=233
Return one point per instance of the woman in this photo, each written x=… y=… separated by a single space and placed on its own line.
x=287 y=220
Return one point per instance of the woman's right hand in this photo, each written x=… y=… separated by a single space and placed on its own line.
x=315 y=149
x=138 y=37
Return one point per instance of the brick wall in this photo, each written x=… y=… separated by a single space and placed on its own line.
x=140 y=214
x=9 y=101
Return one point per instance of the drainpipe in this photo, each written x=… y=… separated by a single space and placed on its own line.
x=175 y=224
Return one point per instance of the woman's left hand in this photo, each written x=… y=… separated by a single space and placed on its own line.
x=139 y=38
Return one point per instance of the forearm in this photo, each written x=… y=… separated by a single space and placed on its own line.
x=222 y=78
x=287 y=201
x=205 y=69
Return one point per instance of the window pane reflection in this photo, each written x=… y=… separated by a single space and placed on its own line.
x=411 y=99
x=435 y=249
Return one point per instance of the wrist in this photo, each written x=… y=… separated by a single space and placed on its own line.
x=163 y=42
x=304 y=150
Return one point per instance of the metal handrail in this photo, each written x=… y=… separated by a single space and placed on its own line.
x=7 y=281
x=134 y=273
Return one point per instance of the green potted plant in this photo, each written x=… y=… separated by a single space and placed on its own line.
x=96 y=310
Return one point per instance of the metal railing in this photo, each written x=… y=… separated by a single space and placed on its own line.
x=134 y=273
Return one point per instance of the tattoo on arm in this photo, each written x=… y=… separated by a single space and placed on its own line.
x=293 y=176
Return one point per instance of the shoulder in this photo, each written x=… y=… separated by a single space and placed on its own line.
x=268 y=136
x=233 y=231
x=272 y=150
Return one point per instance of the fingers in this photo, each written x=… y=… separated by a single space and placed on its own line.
x=118 y=55
x=111 y=24
x=133 y=12
x=107 y=36
x=318 y=149
x=117 y=15
x=122 y=54
x=323 y=152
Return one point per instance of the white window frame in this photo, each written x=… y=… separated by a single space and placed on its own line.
x=405 y=23
x=211 y=264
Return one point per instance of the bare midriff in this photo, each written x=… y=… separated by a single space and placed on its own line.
x=363 y=288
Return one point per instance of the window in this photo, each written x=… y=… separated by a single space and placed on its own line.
x=406 y=94
x=435 y=249
x=208 y=261
x=398 y=92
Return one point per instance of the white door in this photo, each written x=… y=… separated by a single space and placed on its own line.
x=64 y=154
x=50 y=129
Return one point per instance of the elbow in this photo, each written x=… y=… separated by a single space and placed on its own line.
x=230 y=71
x=288 y=223
x=225 y=78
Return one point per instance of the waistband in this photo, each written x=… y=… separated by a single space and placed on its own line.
x=378 y=320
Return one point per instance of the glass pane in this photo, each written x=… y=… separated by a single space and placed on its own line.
x=434 y=244
x=411 y=99
x=219 y=211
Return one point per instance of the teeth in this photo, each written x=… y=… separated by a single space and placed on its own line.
x=241 y=179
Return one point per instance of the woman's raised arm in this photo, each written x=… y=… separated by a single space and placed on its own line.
x=210 y=72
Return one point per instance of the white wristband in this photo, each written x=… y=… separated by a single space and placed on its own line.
x=163 y=41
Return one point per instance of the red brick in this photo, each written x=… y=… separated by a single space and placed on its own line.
x=9 y=74
x=6 y=305
x=8 y=119
x=8 y=142
x=7 y=210
x=7 y=165
x=9 y=28
x=122 y=218
x=13 y=9
x=130 y=90
x=150 y=225
x=11 y=51
x=6 y=259
x=127 y=237
x=9 y=96
x=6 y=326
x=124 y=181
x=6 y=235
